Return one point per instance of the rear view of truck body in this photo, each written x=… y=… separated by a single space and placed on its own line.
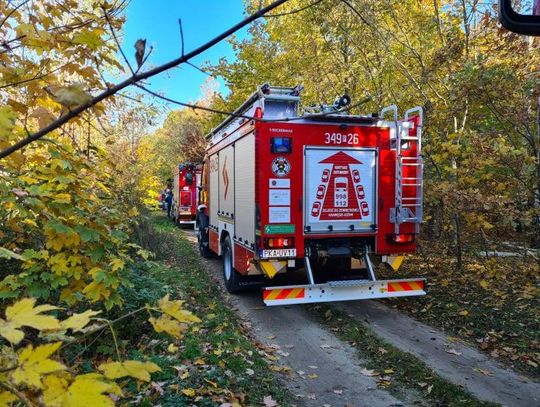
x=186 y=178
x=322 y=195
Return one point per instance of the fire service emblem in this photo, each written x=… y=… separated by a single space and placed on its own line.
x=281 y=166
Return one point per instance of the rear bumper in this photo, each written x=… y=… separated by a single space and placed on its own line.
x=343 y=291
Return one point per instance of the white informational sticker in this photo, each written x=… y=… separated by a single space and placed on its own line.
x=279 y=214
x=279 y=196
x=279 y=183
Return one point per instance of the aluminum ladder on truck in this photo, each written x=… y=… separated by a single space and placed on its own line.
x=409 y=169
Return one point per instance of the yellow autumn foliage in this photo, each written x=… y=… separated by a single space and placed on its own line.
x=77 y=322
x=34 y=363
x=174 y=309
x=166 y=324
x=88 y=390
x=35 y=372
x=131 y=368
x=23 y=313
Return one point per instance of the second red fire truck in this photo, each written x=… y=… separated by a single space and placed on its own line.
x=312 y=200
x=186 y=178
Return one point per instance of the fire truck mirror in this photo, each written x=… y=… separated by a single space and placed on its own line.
x=281 y=145
x=522 y=17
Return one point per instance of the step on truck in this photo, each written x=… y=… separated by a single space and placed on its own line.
x=186 y=178
x=310 y=203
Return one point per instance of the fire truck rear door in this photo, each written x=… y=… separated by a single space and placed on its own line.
x=340 y=189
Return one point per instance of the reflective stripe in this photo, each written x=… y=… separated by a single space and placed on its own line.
x=283 y=294
x=272 y=267
x=393 y=261
x=351 y=290
x=396 y=262
x=406 y=286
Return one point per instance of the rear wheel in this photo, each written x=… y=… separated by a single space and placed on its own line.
x=230 y=275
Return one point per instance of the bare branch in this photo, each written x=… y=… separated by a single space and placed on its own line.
x=199 y=69
x=181 y=34
x=285 y=119
x=116 y=40
x=145 y=58
x=298 y=10
x=195 y=107
x=136 y=78
x=12 y=11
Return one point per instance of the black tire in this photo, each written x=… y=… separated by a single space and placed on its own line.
x=231 y=277
x=202 y=236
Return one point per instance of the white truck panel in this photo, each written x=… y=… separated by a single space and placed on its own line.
x=214 y=190
x=244 y=192
x=226 y=176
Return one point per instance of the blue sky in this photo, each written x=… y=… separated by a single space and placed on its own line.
x=157 y=21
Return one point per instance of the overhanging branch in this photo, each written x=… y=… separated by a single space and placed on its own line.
x=136 y=78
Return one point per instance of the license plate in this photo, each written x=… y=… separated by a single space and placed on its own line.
x=278 y=253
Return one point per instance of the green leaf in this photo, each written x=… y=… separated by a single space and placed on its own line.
x=7 y=119
x=90 y=38
x=8 y=254
x=59 y=227
x=87 y=234
x=96 y=254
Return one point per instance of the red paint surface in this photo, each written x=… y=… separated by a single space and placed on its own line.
x=187 y=207
x=213 y=241
x=311 y=134
x=242 y=256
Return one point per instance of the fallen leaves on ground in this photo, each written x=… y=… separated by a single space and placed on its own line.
x=131 y=368
x=369 y=372
x=491 y=302
x=269 y=402
x=483 y=371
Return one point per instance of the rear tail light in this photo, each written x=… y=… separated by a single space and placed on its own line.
x=402 y=238
x=278 y=242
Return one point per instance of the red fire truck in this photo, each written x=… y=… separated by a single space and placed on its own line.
x=186 y=177
x=317 y=197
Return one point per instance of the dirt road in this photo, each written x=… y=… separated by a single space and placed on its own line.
x=327 y=371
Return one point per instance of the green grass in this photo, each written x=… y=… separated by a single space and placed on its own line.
x=214 y=363
x=213 y=359
x=404 y=371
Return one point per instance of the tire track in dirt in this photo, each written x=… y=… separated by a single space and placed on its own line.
x=453 y=360
x=325 y=370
